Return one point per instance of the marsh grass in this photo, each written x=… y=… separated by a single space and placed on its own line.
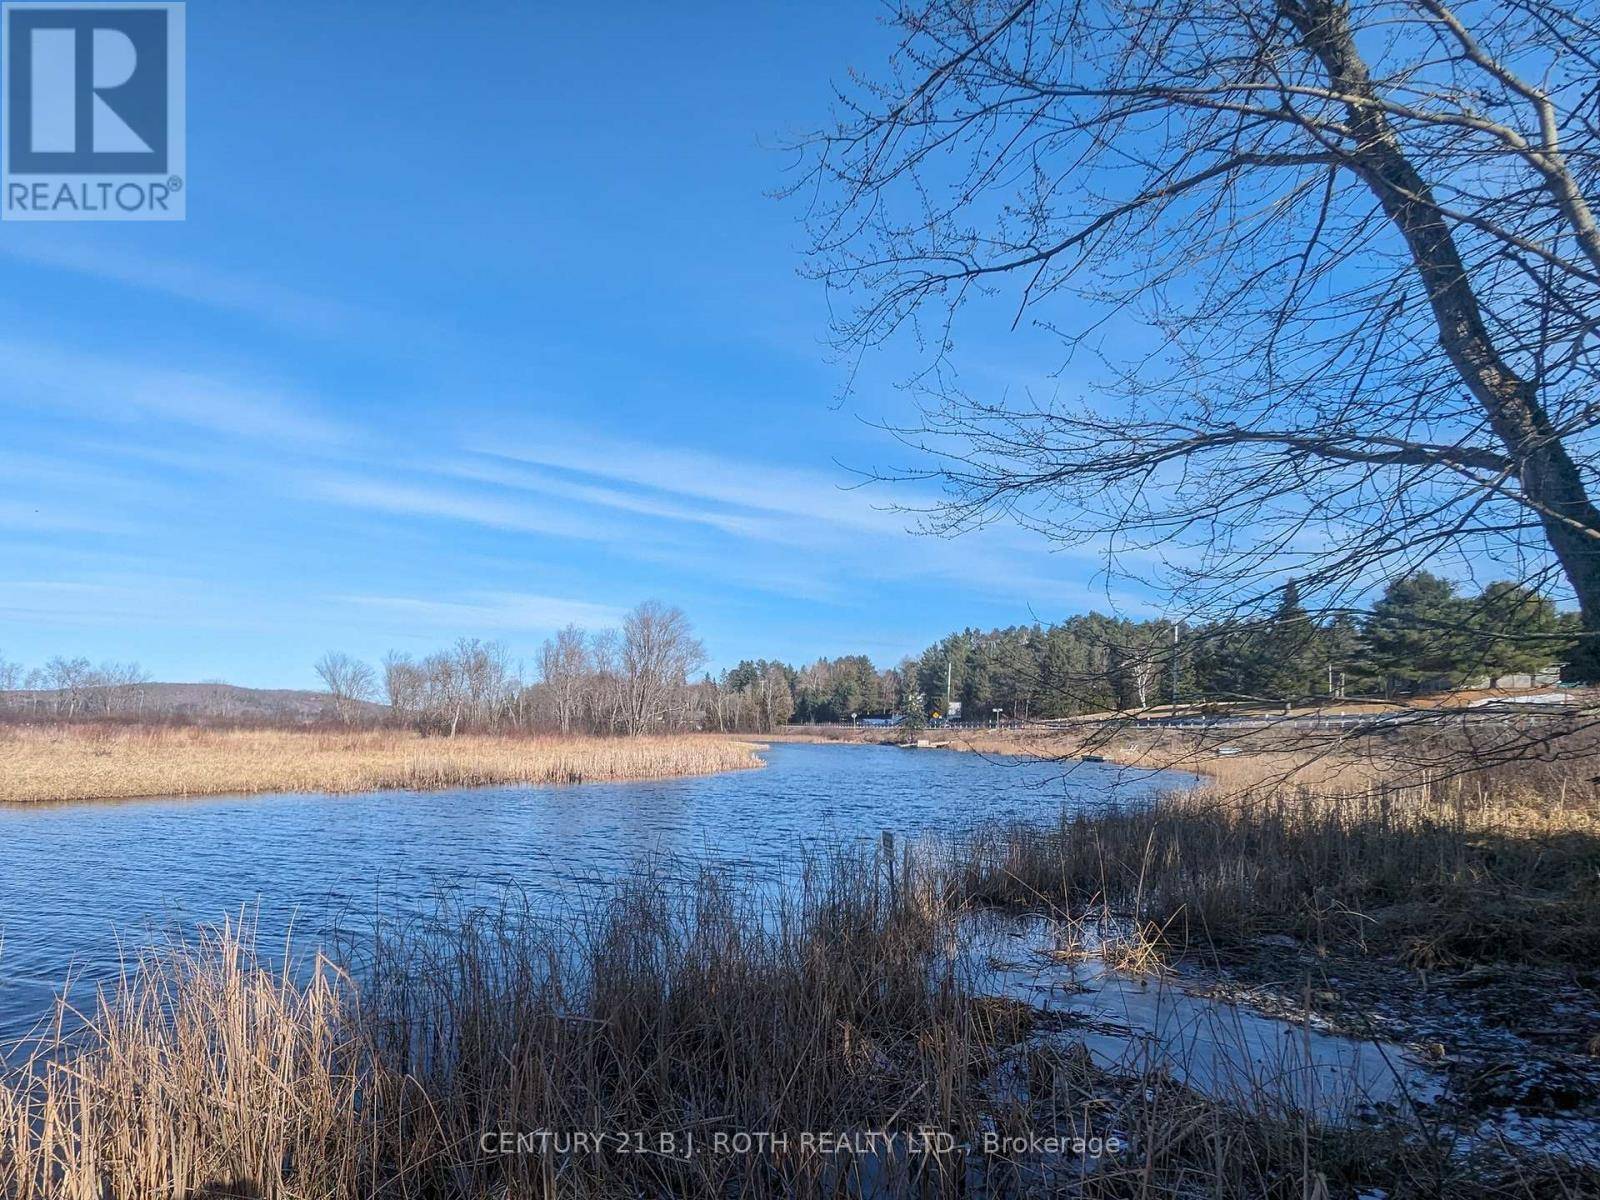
x=1120 y=944
x=86 y=761
x=1466 y=870
x=671 y=1004
x=680 y=1000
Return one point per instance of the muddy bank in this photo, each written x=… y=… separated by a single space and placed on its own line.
x=1483 y=1065
x=1515 y=1046
x=1420 y=961
x=1177 y=1023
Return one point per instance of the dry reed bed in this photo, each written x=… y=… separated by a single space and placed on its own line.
x=80 y=762
x=1468 y=869
x=674 y=1003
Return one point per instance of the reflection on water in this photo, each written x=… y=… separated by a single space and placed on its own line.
x=82 y=883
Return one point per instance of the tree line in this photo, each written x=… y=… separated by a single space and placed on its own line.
x=74 y=687
x=634 y=679
x=645 y=676
x=1421 y=634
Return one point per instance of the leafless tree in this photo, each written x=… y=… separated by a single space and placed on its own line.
x=114 y=685
x=777 y=699
x=32 y=684
x=564 y=667
x=632 y=680
x=1337 y=262
x=658 y=653
x=484 y=678
x=606 y=704
x=1139 y=663
x=70 y=680
x=472 y=684
x=10 y=675
x=404 y=686
x=348 y=681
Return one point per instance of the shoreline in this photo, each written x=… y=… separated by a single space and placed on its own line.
x=1237 y=763
x=63 y=764
x=970 y=1025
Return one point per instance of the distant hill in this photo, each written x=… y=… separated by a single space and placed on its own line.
x=215 y=701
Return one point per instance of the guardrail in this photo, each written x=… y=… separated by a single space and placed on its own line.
x=1407 y=718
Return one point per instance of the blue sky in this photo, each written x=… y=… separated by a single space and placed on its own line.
x=483 y=320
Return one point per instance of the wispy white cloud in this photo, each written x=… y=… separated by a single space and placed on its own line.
x=491 y=611
x=192 y=282
x=798 y=532
x=532 y=479
x=53 y=517
x=61 y=475
x=69 y=603
x=740 y=483
x=824 y=539
x=732 y=524
x=122 y=391
x=416 y=500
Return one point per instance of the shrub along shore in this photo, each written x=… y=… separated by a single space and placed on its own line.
x=695 y=1005
x=95 y=762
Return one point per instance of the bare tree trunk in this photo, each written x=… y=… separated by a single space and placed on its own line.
x=1549 y=481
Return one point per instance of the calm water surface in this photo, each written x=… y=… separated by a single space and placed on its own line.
x=81 y=884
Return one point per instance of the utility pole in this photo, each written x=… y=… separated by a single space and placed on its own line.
x=1174 y=686
x=947 y=677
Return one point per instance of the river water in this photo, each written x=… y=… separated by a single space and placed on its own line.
x=82 y=885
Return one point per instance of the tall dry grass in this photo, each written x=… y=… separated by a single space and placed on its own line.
x=81 y=762
x=669 y=1007
x=675 y=1005
x=1492 y=867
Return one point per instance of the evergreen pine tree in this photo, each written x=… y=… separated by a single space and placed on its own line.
x=1516 y=631
x=1284 y=658
x=1417 y=632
